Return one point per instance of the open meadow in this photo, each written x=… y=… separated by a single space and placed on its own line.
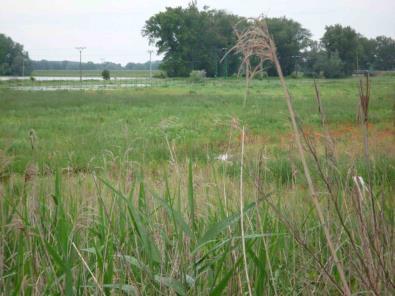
x=182 y=190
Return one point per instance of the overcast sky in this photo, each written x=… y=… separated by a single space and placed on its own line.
x=111 y=30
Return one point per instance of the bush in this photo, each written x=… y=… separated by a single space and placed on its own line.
x=261 y=75
x=197 y=76
x=160 y=75
x=105 y=74
x=296 y=75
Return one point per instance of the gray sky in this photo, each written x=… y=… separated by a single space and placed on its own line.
x=111 y=30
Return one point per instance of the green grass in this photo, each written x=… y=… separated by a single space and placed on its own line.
x=93 y=73
x=120 y=191
x=76 y=129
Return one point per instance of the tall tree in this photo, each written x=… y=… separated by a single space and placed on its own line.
x=291 y=39
x=196 y=40
x=366 y=52
x=345 y=42
x=385 y=53
x=192 y=40
x=14 y=60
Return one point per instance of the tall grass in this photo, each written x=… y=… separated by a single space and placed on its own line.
x=127 y=232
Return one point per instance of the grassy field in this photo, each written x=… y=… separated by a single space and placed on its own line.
x=92 y=73
x=125 y=192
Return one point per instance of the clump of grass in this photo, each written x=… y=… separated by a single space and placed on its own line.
x=5 y=162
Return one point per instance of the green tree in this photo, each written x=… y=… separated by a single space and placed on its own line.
x=13 y=59
x=309 y=58
x=197 y=40
x=317 y=62
x=385 y=53
x=290 y=39
x=344 y=41
x=366 y=52
x=105 y=74
x=193 y=40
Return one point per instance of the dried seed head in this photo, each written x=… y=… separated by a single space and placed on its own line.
x=253 y=41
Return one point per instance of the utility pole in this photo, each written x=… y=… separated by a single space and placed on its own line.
x=150 y=65
x=80 y=49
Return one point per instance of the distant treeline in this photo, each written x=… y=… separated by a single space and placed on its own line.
x=15 y=61
x=142 y=66
x=69 y=65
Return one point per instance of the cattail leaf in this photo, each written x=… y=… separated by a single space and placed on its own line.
x=128 y=289
x=224 y=282
x=171 y=283
x=149 y=245
x=177 y=216
x=191 y=200
x=217 y=228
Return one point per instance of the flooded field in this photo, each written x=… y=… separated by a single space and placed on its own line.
x=54 y=83
x=79 y=87
x=65 y=78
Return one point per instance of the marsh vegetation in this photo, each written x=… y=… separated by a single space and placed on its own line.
x=126 y=192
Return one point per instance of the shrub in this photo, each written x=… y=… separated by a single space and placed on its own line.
x=197 y=75
x=296 y=75
x=160 y=75
x=105 y=74
x=261 y=75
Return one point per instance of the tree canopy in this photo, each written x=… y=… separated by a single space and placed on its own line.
x=192 y=39
x=344 y=42
x=197 y=40
x=342 y=51
x=384 y=48
x=14 y=60
x=290 y=39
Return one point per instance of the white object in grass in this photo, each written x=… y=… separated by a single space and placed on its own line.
x=223 y=157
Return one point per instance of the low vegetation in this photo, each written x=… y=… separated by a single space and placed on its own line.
x=142 y=191
x=150 y=185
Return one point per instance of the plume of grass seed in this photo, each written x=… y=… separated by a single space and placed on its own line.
x=249 y=46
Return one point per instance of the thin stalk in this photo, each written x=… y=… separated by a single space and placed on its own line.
x=242 y=214
x=87 y=267
x=247 y=91
x=313 y=194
